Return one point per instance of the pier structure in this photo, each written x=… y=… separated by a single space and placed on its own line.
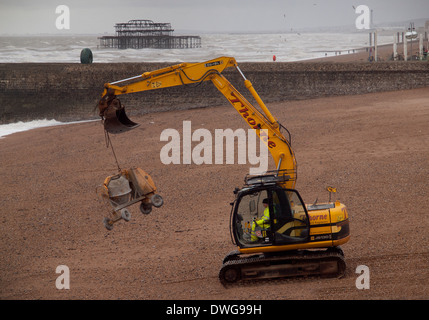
x=412 y=34
x=138 y=34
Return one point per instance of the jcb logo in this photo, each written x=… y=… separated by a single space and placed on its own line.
x=156 y=84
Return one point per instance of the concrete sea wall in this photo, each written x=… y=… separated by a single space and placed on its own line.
x=70 y=91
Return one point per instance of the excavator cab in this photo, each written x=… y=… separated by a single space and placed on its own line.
x=267 y=215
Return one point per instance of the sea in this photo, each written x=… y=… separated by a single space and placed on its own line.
x=252 y=47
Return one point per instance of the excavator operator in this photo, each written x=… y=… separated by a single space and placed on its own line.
x=260 y=226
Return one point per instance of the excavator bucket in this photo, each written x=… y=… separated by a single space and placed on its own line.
x=115 y=118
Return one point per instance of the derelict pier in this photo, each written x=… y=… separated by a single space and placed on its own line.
x=138 y=34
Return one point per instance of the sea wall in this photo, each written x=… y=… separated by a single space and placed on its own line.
x=66 y=91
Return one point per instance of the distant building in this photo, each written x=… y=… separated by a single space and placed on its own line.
x=138 y=34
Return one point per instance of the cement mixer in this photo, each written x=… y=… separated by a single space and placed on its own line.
x=126 y=188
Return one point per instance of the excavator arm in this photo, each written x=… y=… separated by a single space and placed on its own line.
x=266 y=125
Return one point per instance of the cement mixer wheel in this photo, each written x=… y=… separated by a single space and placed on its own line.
x=157 y=200
x=125 y=214
x=145 y=208
x=108 y=224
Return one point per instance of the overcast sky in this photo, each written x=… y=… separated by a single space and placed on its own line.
x=89 y=16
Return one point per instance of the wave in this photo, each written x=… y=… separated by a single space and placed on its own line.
x=8 y=129
x=244 y=47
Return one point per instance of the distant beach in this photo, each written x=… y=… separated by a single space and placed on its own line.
x=385 y=53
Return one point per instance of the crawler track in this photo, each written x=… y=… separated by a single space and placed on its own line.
x=327 y=263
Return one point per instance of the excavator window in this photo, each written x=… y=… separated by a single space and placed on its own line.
x=252 y=218
x=270 y=216
x=291 y=222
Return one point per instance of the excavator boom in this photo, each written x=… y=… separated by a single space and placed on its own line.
x=116 y=120
x=180 y=74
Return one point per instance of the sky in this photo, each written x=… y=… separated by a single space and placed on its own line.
x=98 y=17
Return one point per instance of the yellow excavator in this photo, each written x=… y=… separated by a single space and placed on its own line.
x=276 y=234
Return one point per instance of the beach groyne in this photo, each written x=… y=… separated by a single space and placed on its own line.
x=67 y=91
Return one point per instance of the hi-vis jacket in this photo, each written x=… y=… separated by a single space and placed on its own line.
x=263 y=223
